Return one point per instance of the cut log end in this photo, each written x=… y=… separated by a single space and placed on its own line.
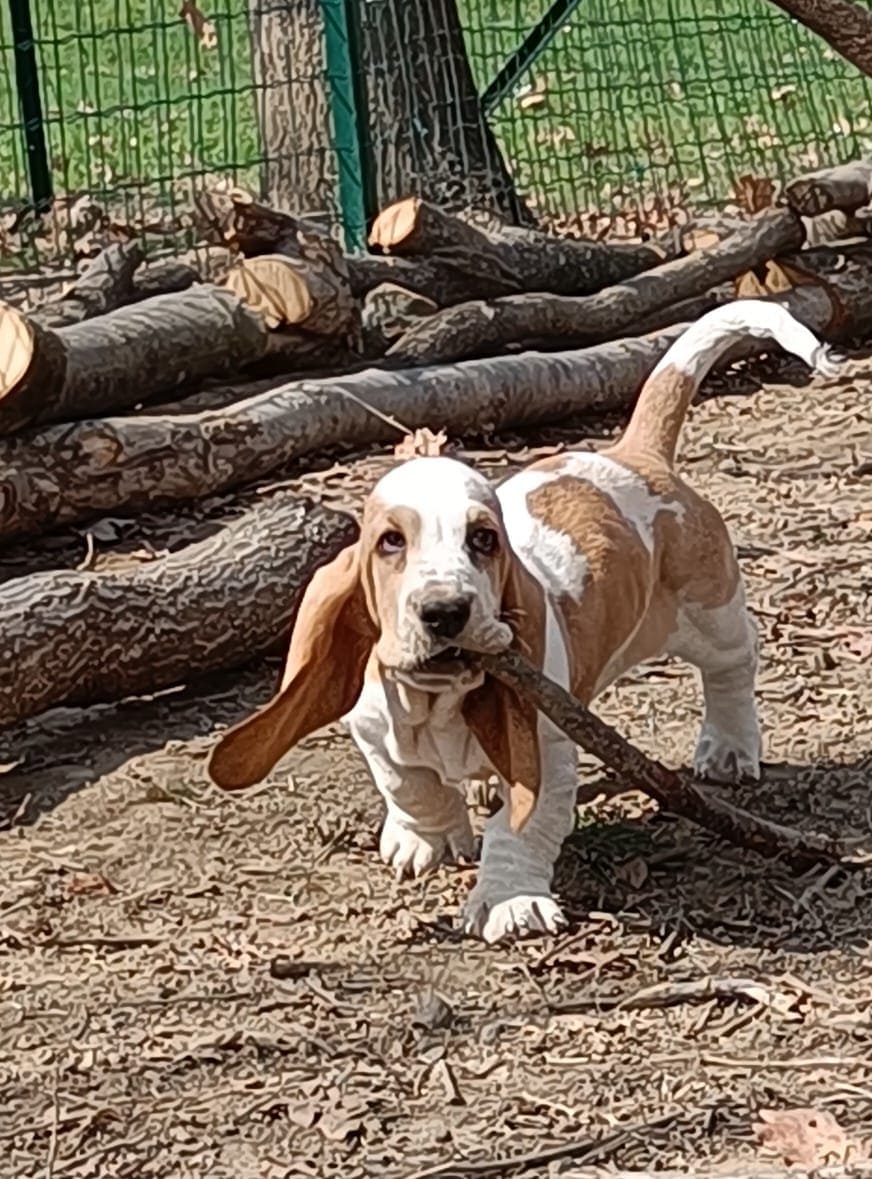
x=271 y=285
x=395 y=223
x=17 y=344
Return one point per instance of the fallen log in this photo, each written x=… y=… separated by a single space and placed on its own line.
x=843 y=24
x=533 y=260
x=236 y=219
x=77 y=638
x=133 y=354
x=75 y=472
x=388 y=312
x=675 y=792
x=289 y=292
x=846 y=189
x=477 y=329
x=163 y=276
x=440 y=279
x=105 y=284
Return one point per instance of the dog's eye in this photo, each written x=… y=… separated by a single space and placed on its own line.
x=391 y=542
x=484 y=541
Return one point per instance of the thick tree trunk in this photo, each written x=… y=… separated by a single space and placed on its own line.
x=426 y=127
x=83 y=638
x=133 y=354
x=293 y=112
x=428 y=134
x=532 y=260
x=843 y=24
x=480 y=329
x=74 y=473
x=673 y=791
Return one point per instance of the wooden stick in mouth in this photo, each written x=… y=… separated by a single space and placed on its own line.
x=675 y=791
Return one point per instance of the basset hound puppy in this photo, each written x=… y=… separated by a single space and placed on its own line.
x=586 y=562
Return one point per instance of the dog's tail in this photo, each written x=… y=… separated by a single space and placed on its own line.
x=660 y=411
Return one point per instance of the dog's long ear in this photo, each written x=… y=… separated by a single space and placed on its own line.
x=331 y=642
x=505 y=724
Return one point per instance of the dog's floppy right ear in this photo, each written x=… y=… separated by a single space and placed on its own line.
x=332 y=638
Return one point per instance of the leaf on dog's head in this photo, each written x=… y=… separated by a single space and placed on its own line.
x=422 y=443
x=810 y=1137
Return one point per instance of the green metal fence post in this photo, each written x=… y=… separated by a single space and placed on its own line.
x=30 y=105
x=348 y=106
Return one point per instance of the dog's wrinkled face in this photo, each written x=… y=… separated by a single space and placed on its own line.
x=435 y=560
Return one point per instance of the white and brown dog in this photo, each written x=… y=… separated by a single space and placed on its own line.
x=586 y=562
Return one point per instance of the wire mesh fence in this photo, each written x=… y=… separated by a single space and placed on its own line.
x=669 y=99
x=665 y=101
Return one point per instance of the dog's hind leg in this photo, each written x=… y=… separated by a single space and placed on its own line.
x=722 y=642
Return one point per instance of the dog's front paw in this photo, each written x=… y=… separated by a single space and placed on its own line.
x=412 y=853
x=515 y=916
x=721 y=757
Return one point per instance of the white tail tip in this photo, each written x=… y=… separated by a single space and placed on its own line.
x=826 y=362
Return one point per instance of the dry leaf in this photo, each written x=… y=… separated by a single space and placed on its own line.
x=810 y=1137
x=83 y=884
x=533 y=96
x=203 y=29
x=754 y=193
x=779 y=93
x=422 y=443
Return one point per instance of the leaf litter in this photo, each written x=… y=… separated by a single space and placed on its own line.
x=168 y=1010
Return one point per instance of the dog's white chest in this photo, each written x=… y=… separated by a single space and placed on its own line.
x=420 y=729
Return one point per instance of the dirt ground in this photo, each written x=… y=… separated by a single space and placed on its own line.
x=196 y=985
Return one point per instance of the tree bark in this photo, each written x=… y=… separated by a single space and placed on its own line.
x=133 y=354
x=73 y=473
x=532 y=260
x=232 y=218
x=293 y=111
x=77 y=638
x=425 y=123
x=843 y=24
x=427 y=131
x=388 y=312
x=478 y=329
x=845 y=188
x=443 y=280
x=675 y=792
x=258 y=232
x=104 y=284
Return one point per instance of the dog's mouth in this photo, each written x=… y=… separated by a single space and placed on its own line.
x=448 y=662
x=438 y=672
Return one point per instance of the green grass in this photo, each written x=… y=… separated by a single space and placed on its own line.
x=643 y=96
x=635 y=98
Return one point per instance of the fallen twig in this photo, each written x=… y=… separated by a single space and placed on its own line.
x=588 y=1149
x=674 y=791
x=669 y=994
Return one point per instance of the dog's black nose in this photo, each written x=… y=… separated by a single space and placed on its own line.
x=445 y=618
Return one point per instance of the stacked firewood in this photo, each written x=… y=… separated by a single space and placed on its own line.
x=152 y=383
